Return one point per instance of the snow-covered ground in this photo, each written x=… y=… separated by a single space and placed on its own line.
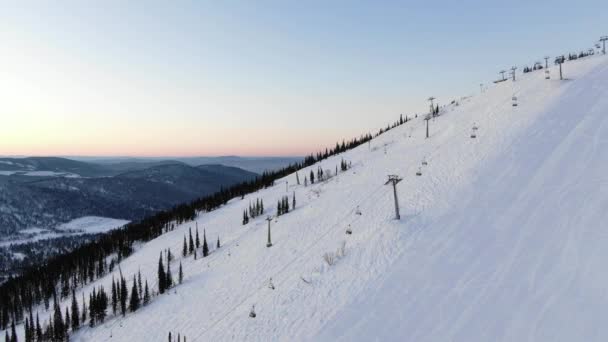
x=79 y=226
x=500 y=238
x=92 y=225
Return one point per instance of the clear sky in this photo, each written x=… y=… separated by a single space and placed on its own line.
x=186 y=78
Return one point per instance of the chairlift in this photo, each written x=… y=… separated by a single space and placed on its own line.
x=424 y=162
x=514 y=99
x=547 y=74
x=473 y=134
x=349 y=231
x=419 y=172
x=270 y=284
x=252 y=312
x=358 y=211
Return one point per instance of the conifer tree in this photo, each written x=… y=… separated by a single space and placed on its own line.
x=124 y=293
x=75 y=312
x=205 y=247
x=38 y=329
x=84 y=310
x=134 y=303
x=7 y=338
x=58 y=326
x=114 y=296
x=139 y=287
x=181 y=273
x=92 y=308
x=146 y=294
x=67 y=321
x=312 y=177
x=162 y=277
x=32 y=327
x=14 y=332
x=293 y=206
x=197 y=240
x=191 y=242
x=27 y=331
x=101 y=304
x=245 y=218
x=169 y=281
x=169 y=255
x=218 y=243
x=185 y=248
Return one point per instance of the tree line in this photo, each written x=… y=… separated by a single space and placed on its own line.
x=60 y=275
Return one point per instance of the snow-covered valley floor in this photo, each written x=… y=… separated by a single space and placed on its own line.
x=502 y=238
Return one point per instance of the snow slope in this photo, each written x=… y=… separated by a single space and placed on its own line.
x=500 y=238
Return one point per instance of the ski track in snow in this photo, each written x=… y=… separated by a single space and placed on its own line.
x=500 y=238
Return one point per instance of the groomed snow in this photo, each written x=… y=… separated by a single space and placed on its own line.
x=92 y=225
x=500 y=239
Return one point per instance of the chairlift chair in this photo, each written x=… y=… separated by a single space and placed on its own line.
x=514 y=99
x=547 y=74
x=424 y=162
x=473 y=134
x=419 y=172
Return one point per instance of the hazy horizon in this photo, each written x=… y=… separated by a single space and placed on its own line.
x=254 y=79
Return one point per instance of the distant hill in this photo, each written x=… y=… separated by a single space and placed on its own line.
x=53 y=164
x=253 y=164
x=45 y=192
x=195 y=180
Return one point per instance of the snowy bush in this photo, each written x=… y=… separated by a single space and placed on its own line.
x=330 y=258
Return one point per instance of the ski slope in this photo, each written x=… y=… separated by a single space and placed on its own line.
x=500 y=239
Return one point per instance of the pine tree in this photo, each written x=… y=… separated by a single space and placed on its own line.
x=191 y=242
x=38 y=329
x=84 y=310
x=162 y=277
x=92 y=308
x=134 y=303
x=102 y=304
x=14 y=332
x=139 y=287
x=293 y=206
x=75 y=312
x=169 y=281
x=169 y=255
x=312 y=177
x=32 y=331
x=185 y=248
x=114 y=296
x=27 y=331
x=58 y=326
x=205 y=247
x=124 y=293
x=146 y=294
x=218 y=243
x=181 y=273
x=197 y=240
x=7 y=338
x=67 y=320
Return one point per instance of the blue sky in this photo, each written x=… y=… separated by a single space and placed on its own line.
x=254 y=77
